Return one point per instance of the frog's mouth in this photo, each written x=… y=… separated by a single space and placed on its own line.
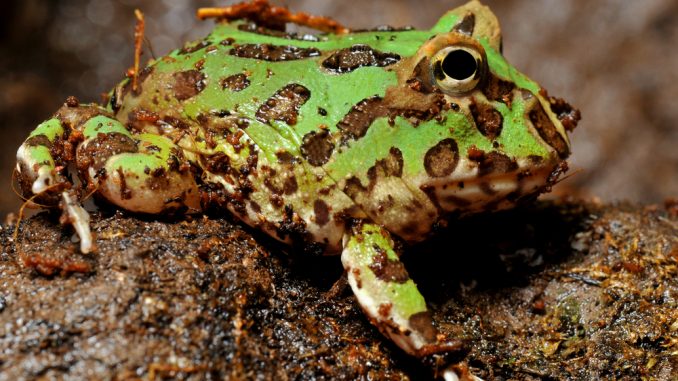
x=469 y=190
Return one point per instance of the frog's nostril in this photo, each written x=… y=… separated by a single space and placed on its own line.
x=568 y=115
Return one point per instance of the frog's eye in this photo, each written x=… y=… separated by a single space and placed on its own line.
x=457 y=69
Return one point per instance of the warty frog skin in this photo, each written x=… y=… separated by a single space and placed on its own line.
x=346 y=142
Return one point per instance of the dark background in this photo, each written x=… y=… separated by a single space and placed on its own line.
x=615 y=60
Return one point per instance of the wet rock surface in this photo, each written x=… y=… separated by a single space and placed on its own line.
x=560 y=290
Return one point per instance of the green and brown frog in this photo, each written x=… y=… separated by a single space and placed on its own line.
x=347 y=142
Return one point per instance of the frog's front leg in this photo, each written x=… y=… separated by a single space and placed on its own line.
x=141 y=173
x=42 y=165
x=144 y=173
x=390 y=298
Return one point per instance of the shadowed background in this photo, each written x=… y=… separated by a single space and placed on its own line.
x=614 y=60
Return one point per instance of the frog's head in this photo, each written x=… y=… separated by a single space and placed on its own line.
x=502 y=137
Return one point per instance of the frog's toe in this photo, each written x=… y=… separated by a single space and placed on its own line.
x=78 y=217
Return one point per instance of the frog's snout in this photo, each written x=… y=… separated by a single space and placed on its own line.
x=568 y=115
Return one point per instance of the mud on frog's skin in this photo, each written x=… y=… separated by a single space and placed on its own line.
x=340 y=143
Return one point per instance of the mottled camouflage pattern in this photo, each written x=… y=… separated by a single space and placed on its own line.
x=319 y=141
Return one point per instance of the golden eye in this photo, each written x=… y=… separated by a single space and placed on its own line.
x=458 y=69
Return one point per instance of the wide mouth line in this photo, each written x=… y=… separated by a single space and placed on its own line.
x=517 y=175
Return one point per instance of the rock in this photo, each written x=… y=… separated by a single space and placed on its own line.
x=557 y=290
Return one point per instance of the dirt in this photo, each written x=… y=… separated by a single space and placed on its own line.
x=557 y=291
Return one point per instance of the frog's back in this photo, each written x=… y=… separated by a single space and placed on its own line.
x=295 y=134
x=261 y=115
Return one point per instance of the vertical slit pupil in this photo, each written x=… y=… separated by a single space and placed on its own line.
x=459 y=65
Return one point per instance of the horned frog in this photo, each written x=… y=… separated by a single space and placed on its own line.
x=345 y=142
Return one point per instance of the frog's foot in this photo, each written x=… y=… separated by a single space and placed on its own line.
x=141 y=173
x=144 y=173
x=41 y=163
x=390 y=298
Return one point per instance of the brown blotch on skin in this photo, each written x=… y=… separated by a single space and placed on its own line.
x=466 y=25
x=256 y=208
x=200 y=64
x=38 y=141
x=284 y=157
x=494 y=163
x=391 y=165
x=284 y=104
x=317 y=147
x=235 y=82
x=496 y=89
x=475 y=154
x=385 y=204
x=354 y=125
x=290 y=185
x=125 y=193
x=271 y=180
x=488 y=120
x=72 y=118
x=273 y=53
x=276 y=201
x=192 y=49
x=322 y=212
x=399 y=101
x=442 y=159
x=548 y=132
x=386 y=269
x=227 y=42
x=535 y=160
x=354 y=187
x=99 y=149
x=188 y=84
x=348 y=59
x=422 y=322
x=384 y=310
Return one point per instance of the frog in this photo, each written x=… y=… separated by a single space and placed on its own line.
x=354 y=143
